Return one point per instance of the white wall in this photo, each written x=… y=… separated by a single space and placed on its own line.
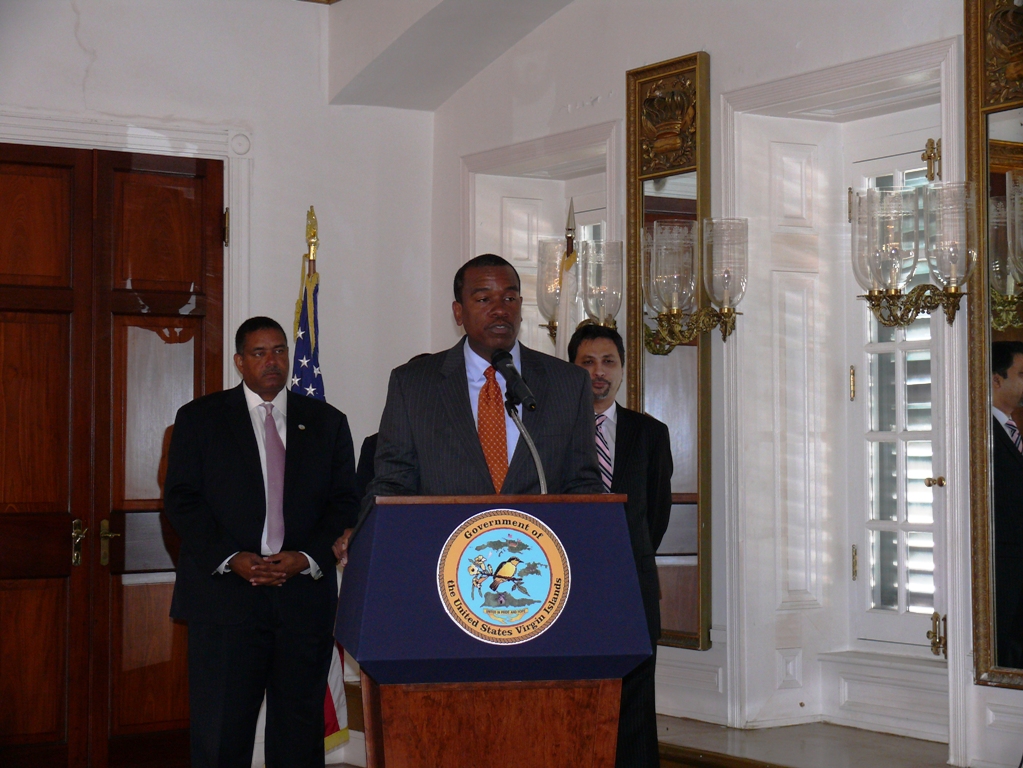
x=260 y=66
x=570 y=73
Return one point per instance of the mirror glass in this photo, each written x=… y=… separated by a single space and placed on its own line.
x=1005 y=182
x=668 y=194
x=994 y=127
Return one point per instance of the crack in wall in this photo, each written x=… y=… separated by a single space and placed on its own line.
x=90 y=52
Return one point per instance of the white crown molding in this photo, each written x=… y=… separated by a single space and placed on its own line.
x=231 y=145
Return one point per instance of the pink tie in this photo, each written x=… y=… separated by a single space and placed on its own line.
x=604 y=454
x=1014 y=433
x=274 y=482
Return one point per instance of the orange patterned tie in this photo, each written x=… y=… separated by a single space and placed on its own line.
x=492 y=429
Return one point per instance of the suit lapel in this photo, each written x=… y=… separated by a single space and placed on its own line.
x=1001 y=434
x=240 y=423
x=626 y=434
x=454 y=394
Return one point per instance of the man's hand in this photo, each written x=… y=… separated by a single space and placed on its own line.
x=340 y=547
x=269 y=571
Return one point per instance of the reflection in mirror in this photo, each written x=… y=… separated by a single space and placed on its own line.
x=668 y=194
x=994 y=132
x=1005 y=190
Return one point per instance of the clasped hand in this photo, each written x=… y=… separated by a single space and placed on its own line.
x=269 y=571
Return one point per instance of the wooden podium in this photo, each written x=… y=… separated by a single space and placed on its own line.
x=436 y=691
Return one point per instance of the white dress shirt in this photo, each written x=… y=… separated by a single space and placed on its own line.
x=475 y=368
x=257 y=414
x=1002 y=417
x=611 y=430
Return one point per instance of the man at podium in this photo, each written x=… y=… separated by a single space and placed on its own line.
x=445 y=431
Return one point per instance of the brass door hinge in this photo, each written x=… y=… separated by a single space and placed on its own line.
x=848 y=204
x=227 y=227
x=932 y=154
x=855 y=563
x=852 y=383
x=938 y=634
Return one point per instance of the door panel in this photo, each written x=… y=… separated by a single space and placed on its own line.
x=159 y=313
x=46 y=435
x=157 y=220
x=149 y=656
x=36 y=376
x=33 y=658
x=35 y=230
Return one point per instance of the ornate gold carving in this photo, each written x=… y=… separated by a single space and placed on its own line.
x=668 y=123
x=897 y=309
x=1003 y=52
x=1005 y=311
x=675 y=329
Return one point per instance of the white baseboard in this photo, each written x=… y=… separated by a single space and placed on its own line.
x=902 y=695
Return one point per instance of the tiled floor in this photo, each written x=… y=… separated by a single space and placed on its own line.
x=805 y=746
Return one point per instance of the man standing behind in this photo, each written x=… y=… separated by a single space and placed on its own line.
x=634 y=455
x=1007 y=453
x=444 y=430
x=260 y=482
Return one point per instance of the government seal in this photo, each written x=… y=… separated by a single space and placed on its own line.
x=503 y=577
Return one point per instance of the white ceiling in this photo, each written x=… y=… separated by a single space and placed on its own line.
x=438 y=52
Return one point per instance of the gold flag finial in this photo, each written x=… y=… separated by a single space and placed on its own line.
x=311 y=237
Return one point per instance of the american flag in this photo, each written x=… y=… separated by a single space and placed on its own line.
x=305 y=370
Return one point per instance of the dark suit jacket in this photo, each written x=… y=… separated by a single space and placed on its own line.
x=215 y=499
x=428 y=444
x=1008 y=554
x=643 y=470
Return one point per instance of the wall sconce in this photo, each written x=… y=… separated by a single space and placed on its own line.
x=670 y=285
x=603 y=275
x=1005 y=265
x=886 y=248
x=602 y=270
x=548 y=282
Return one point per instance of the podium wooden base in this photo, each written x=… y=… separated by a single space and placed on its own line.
x=549 y=724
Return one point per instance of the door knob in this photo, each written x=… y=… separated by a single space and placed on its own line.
x=932 y=481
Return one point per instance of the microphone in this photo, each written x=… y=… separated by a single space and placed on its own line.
x=517 y=390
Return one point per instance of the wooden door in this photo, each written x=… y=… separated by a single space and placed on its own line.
x=46 y=481
x=110 y=319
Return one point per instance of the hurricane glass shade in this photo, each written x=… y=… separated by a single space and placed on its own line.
x=603 y=278
x=999 y=267
x=893 y=221
x=859 y=251
x=950 y=229
x=725 y=262
x=674 y=276
x=1014 y=223
x=548 y=276
x=653 y=302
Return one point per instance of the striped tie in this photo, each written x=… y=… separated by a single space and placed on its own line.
x=604 y=454
x=1014 y=433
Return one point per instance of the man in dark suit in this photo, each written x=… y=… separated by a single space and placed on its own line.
x=1007 y=469
x=634 y=455
x=260 y=482
x=430 y=441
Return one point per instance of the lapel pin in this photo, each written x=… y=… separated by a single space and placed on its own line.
x=301 y=426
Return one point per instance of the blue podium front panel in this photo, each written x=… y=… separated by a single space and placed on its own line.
x=482 y=592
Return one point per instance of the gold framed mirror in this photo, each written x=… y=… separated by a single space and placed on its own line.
x=668 y=181
x=994 y=146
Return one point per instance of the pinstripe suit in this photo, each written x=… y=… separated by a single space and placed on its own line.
x=1008 y=538
x=428 y=444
